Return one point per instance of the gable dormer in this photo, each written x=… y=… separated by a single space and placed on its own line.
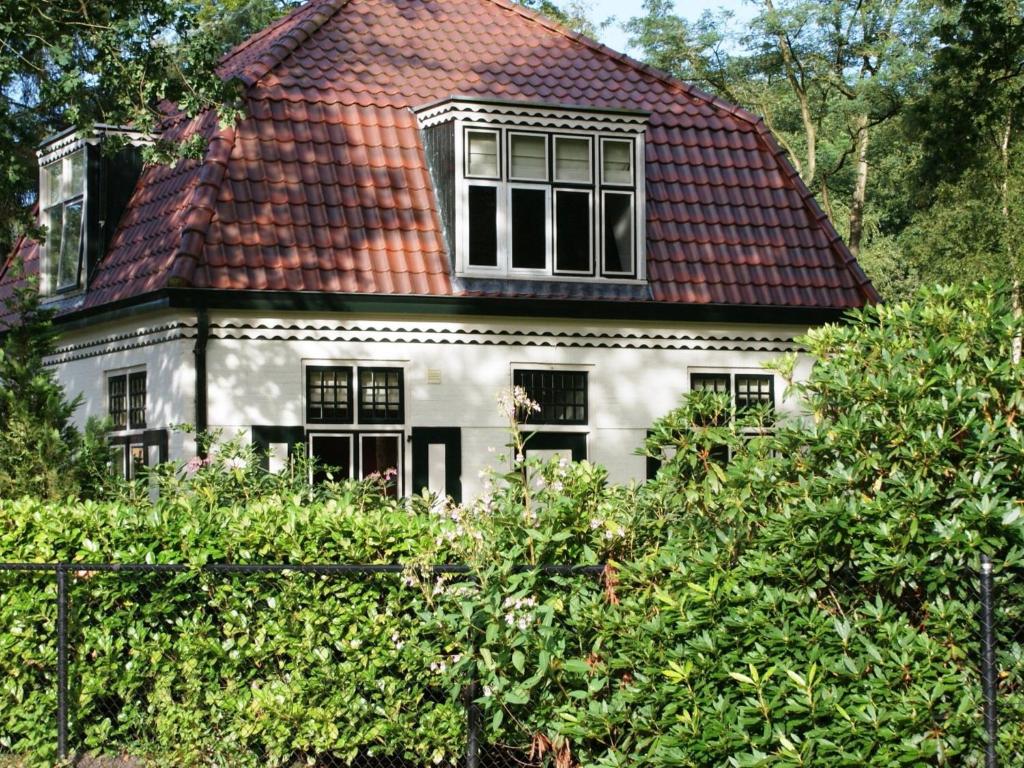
x=536 y=191
x=84 y=184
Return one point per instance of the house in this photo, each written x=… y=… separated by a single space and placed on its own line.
x=430 y=201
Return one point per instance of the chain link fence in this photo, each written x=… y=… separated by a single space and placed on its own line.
x=88 y=641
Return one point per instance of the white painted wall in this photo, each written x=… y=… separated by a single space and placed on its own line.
x=160 y=343
x=637 y=372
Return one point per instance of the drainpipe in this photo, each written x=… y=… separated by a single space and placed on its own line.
x=202 y=422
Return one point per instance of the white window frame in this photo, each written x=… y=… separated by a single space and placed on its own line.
x=563 y=128
x=590 y=225
x=348 y=435
x=603 y=230
x=498 y=160
x=545 y=137
x=554 y=158
x=511 y=268
x=50 y=273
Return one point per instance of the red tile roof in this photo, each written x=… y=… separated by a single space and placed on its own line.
x=325 y=187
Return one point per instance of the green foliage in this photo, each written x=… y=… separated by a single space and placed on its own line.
x=42 y=454
x=809 y=601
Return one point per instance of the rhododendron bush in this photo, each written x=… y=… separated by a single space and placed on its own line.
x=808 y=602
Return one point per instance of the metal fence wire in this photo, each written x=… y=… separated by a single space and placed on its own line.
x=87 y=638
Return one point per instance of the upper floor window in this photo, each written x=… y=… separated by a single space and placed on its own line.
x=62 y=200
x=539 y=204
x=561 y=395
x=535 y=191
x=126 y=400
x=331 y=392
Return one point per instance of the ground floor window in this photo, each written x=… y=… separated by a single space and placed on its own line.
x=132 y=452
x=358 y=456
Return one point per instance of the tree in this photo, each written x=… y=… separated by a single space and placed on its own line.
x=825 y=76
x=970 y=125
x=42 y=453
x=65 y=63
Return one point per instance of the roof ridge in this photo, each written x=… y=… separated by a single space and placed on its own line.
x=836 y=244
x=200 y=208
x=318 y=12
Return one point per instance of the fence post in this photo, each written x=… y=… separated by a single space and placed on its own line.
x=473 y=718
x=988 y=662
x=62 y=661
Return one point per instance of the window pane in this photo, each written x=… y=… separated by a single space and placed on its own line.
x=137 y=400
x=334 y=456
x=70 y=246
x=562 y=395
x=710 y=382
x=529 y=157
x=54 y=231
x=617 y=159
x=718 y=383
x=51 y=182
x=136 y=459
x=380 y=396
x=572 y=159
x=752 y=390
x=117 y=401
x=529 y=229
x=618 y=232
x=77 y=180
x=482 y=152
x=329 y=395
x=483 y=226
x=572 y=230
x=378 y=455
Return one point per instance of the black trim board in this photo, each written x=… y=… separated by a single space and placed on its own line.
x=413 y=305
x=263 y=436
x=574 y=442
x=451 y=439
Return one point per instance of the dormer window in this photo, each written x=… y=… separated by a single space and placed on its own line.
x=539 y=192
x=63 y=199
x=83 y=188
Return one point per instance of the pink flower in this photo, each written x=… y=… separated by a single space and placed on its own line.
x=193 y=465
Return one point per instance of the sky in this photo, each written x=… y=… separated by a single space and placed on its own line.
x=622 y=10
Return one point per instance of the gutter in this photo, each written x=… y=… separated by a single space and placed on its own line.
x=202 y=392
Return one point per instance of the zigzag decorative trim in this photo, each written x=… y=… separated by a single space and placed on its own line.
x=99 y=350
x=492 y=337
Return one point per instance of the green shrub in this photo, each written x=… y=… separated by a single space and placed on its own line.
x=810 y=602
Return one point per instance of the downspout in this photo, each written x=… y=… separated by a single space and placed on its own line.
x=202 y=422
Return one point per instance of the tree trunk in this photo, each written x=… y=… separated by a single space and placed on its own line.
x=860 y=186
x=1004 y=193
x=794 y=75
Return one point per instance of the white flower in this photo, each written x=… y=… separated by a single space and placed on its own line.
x=235 y=462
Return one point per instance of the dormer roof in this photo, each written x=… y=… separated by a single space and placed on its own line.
x=324 y=186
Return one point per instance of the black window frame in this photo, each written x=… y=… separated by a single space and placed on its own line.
x=371 y=419
x=118 y=413
x=309 y=387
x=730 y=377
x=137 y=409
x=751 y=403
x=520 y=378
